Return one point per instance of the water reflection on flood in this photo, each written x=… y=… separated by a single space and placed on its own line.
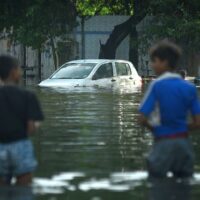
x=92 y=131
x=157 y=190
x=91 y=148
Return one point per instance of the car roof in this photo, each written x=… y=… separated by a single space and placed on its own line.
x=97 y=61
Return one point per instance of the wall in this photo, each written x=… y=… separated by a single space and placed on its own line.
x=98 y=28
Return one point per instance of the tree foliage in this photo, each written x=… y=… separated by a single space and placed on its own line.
x=178 y=20
x=104 y=7
x=33 y=22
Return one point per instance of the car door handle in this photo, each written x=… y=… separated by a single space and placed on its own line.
x=131 y=78
x=113 y=80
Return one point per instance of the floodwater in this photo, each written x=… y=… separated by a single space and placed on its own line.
x=91 y=147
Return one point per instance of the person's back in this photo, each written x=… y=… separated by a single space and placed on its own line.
x=165 y=110
x=20 y=110
x=16 y=105
x=174 y=99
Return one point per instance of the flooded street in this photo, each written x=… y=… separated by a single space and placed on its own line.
x=89 y=64
x=90 y=147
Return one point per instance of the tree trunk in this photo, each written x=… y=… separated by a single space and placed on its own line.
x=133 y=53
x=24 y=64
x=120 y=32
x=83 y=37
x=55 y=53
x=39 y=65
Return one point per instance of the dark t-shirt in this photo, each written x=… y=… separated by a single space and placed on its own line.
x=17 y=107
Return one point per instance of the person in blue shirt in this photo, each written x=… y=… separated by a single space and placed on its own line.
x=165 y=111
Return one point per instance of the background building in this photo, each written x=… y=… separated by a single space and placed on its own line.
x=96 y=29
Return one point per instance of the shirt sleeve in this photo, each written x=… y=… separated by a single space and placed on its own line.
x=34 y=111
x=195 y=104
x=149 y=101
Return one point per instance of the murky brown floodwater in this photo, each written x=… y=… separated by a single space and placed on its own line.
x=91 y=148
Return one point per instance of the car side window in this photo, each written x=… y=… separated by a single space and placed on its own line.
x=104 y=71
x=123 y=69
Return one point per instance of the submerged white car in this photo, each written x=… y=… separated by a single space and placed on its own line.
x=98 y=73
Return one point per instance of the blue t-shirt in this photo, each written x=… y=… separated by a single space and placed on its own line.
x=167 y=104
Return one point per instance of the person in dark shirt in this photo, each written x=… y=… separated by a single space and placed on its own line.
x=20 y=114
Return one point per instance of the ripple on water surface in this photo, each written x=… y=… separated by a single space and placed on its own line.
x=91 y=141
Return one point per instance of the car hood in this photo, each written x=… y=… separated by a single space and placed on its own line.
x=62 y=83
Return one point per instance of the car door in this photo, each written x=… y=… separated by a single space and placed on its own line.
x=124 y=73
x=104 y=76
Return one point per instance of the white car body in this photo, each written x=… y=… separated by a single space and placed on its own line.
x=116 y=80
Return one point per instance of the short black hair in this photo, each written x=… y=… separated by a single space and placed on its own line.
x=166 y=50
x=7 y=64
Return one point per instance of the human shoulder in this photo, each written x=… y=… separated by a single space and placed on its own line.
x=30 y=95
x=27 y=93
x=12 y=90
x=188 y=85
x=20 y=92
x=162 y=82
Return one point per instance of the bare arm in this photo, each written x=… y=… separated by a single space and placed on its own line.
x=195 y=124
x=32 y=126
x=144 y=122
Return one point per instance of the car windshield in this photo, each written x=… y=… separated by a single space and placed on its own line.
x=74 y=71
